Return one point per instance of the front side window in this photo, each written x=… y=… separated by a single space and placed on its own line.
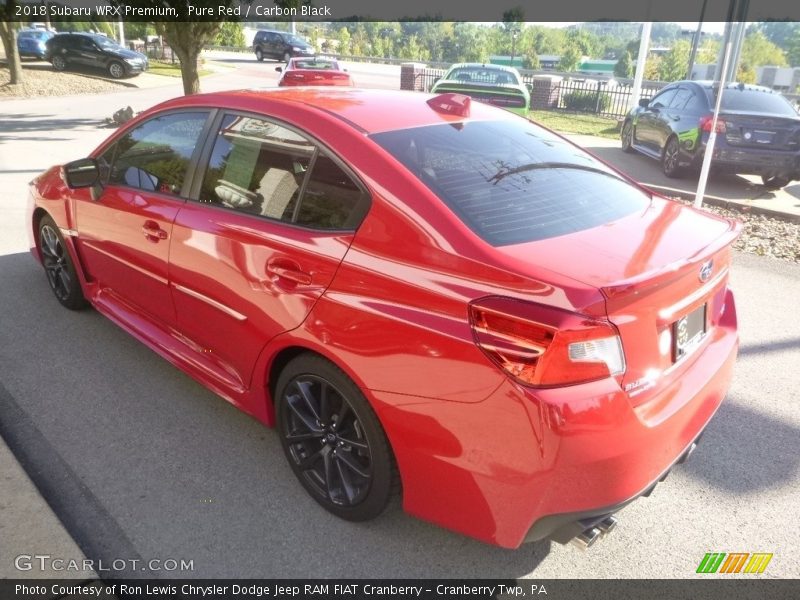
x=664 y=98
x=264 y=169
x=513 y=183
x=155 y=155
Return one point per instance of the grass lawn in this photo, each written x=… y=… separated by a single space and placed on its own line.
x=167 y=68
x=586 y=124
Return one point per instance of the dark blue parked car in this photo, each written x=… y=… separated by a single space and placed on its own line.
x=31 y=42
x=758 y=131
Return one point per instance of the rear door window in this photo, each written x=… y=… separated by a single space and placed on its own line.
x=268 y=170
x=513 y=182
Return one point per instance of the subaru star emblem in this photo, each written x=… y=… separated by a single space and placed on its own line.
x=705 y=270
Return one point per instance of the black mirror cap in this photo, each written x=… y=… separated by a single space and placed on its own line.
x=644 y=102
x=81 y=173
x=279 y=69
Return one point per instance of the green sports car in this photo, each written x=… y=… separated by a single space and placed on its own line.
x=493 y=84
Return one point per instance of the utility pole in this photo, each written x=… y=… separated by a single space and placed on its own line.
x=640 y=61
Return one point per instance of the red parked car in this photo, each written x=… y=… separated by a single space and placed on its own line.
x=419 y=292
x=313 y=71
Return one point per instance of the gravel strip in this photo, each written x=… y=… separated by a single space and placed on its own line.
x=762 y=235
x=51 y=83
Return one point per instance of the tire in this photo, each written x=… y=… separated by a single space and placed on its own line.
x=336 y=446
x=58 y=62
x=259 y=55
x=287 y=57
x=775 y=182
x=58 y=266
x=626 y=137
x=116 y=69
x=670 y=157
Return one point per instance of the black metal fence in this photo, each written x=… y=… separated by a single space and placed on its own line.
x=599 y=95
x=154 y=50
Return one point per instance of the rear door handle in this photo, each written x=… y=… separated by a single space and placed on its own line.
x=288 y=270
x=153 y=232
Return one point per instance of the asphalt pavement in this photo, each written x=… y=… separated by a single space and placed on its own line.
x=143 y=466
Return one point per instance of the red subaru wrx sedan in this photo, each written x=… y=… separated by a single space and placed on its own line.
x=421 y=293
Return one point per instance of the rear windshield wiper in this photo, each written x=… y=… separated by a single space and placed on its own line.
x=497 y=177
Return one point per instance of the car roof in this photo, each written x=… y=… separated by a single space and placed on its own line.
x=368 y=110
x=710 y=84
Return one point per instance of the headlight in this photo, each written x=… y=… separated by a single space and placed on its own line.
x=296 y=49
x=133 y=61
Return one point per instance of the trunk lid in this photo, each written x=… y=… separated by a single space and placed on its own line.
x=654 y=267
x=758 y=130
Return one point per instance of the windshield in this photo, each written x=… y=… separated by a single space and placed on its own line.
x=512 y=182
x=483 y=75
x=744 y=100
x=105 y=43
x=293 y=39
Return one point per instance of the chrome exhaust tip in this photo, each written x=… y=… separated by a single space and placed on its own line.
x=586 y=538
x=607 y=525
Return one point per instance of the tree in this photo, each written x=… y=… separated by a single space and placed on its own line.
x=187 y=39
x=673 y=64
x=624 y=66
x=230 y=34
x=758 y=51
x=531 y=60
x=8 y=31
x=570 y=59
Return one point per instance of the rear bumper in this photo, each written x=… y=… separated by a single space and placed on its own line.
x=752 y=161
x=526 y=464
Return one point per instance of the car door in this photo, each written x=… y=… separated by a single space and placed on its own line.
x=270 y=220
x=273 y=44
x=649 y=120
x=124 y=235
x=86 y=53
x=672 y=120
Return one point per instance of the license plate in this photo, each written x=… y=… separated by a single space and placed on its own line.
x=688 y=332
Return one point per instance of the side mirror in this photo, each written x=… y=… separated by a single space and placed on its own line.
x=279 y=69
x=644 y=102
x=81 y=173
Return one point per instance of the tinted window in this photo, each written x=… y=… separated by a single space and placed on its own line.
x=681 y=99
x=155 y=155
x=482 y=75
x=331 y=200
x=745 y=100
x=663 y=99
x=697 y=103
x=260 y=167
x=512 y=182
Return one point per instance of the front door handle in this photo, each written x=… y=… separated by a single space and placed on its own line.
x=289 y=271
x=153 y=232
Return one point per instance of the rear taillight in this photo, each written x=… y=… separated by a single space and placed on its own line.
x=543 y=346
x=705 y=124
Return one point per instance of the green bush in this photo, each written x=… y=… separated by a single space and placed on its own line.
x=587 y=101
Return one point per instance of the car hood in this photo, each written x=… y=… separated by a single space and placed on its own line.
x=125 y=53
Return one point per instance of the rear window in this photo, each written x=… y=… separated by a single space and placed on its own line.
x=512 y=182
x=744 y=100
x=482 y=75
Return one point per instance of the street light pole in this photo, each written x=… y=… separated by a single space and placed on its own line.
x=513 y=45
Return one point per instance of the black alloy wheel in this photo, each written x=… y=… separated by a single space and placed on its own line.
x=333 y=440
x=627 y=137
x=670 y=158
x=116 y=69
x=58 y=266
x=287 y=57
x=58 y=62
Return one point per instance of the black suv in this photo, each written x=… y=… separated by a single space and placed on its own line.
x=280 y=45
x=93 y=50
